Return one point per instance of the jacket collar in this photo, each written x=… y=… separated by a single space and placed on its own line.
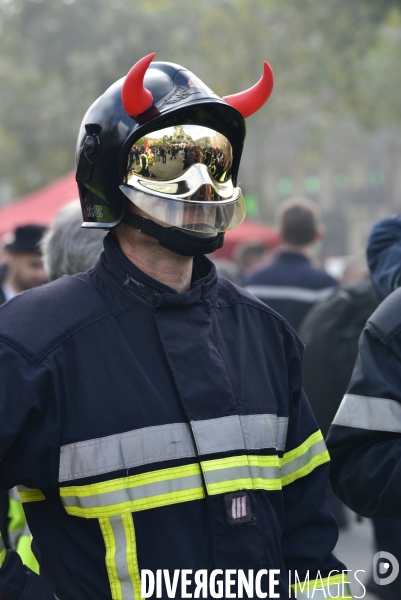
x=119 y=272
x=285 y=255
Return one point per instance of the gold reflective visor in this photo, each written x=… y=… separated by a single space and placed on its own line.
x=165 y=154
x=181 y=176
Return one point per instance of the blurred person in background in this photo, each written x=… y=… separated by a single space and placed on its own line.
x=21 y=271
x=250 y=255
x=5 y=239
x=365 y=436
x=67 y=248
x=331 y=332
x=384 y=256
x=24 y=267
x=291 y=284
x=355 y=269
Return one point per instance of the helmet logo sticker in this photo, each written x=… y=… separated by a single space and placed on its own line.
x=94 y=211
x=176 y=95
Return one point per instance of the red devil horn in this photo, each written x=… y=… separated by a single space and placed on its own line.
x=136 y=98
x=251 y=100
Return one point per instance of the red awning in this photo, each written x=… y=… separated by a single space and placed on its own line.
x=39 y=206
x=247 y=231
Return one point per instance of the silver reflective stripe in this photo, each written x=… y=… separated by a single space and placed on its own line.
x=126 y=450
x=3 y=551
x=240 y=432
x=135 y=492
x=118 y=528
x=282 y=426
x=333 y=591
x=259 y=472
x=14 y=536
x=171 y=442
x=171 y=486
x=227 y=474
x=304 y=459
x=284 y=292
x=242 y=472
x=364 y=412
x=13 y=494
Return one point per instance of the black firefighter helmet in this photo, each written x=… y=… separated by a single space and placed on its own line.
x=162 y=139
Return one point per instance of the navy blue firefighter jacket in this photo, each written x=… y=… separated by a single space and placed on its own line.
x=148 y=429
x=384 y=256
x=365 y=437
x=290 y=285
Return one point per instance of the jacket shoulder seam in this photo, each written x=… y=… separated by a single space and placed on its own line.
x=37 y=360
x=270 y=313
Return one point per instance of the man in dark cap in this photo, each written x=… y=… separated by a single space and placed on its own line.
x=23 y=271
x=25 y=266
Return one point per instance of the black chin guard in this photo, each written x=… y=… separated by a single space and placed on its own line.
x=175 y=239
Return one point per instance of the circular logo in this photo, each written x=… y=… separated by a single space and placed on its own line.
x=381 y=568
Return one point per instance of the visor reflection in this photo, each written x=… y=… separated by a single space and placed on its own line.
x=165 y=154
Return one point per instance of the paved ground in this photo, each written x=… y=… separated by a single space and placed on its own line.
x=171 y=169
x=355 y=550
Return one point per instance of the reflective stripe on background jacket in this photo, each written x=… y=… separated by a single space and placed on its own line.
x=154 y=430
x=365 y=438
x=290 y=285
x=18 y=531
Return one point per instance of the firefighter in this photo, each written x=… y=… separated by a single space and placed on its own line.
x=364 y=439
x=152 y=414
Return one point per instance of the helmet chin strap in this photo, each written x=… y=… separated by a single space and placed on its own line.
x=175 y=239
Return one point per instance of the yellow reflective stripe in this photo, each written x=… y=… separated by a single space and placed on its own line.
x=111 y=548
x=321 y=584
x=132 y=558
x=320 y=459
x=183 y=484
x=209 y=466
x=297 y=452
x=224 y=463
x=240 y=461
x=134 y=493
x=136 y=505
x=304 y=459
x=121 y=557
x=130 y=482
x=25 y=551
x=264 y=461
x=30 y=495
x=3 y=551
x=16 y=516
x=262 y=483
x=240 y=483
x=229 y=486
